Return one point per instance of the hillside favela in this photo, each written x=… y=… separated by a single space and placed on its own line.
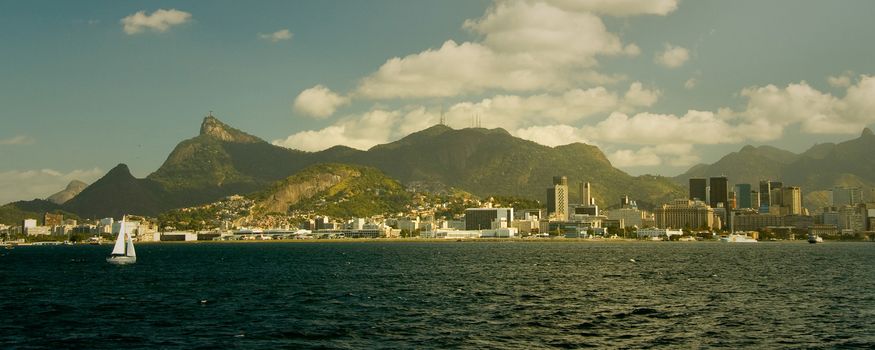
x=458 y=174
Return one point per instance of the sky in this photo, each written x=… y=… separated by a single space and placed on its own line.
x=658 y=85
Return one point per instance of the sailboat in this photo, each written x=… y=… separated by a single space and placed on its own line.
x=123 y=252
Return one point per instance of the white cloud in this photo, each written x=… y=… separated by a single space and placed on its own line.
x=620 y=8
x=673 y=56
x=29 y=184
x=840 y=81
x=159 y=21
x=691 y=83
x=676 y=155
x=551 y=135
x=280 y=35
x=694 y=127
x=18 y=140
x=360 y=132
x=638 y=96
x=318 y=102
x=524 y=46
x=816 y=112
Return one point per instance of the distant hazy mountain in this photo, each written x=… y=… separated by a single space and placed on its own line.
x=73 y=188
x=223 y=161
x=748 y=165
x=823 y=166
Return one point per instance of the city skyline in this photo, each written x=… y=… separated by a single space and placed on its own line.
x=658 y=85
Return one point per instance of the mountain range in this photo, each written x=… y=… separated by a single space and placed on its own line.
x=818 y=169
x=222 y=160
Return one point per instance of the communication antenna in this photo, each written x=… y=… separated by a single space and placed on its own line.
x=443 y=119
x=210 y=114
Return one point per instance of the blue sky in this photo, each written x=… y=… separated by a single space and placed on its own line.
x=658 y=85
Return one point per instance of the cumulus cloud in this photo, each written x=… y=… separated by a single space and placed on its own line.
x=525 y=46
x=551 y=135
x=816 y=112
x=673 y=56
x=360 y=132
x=840 y=81
x=691 y=83
x=620 y=8
x=159 y=21
x=280 y=35
x=675 y=155
x=29 y=184
x=18 y=140
x=638 y=96
x=694 y=127
x=318 y=102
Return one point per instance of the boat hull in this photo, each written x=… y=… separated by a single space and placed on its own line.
x=121 y=260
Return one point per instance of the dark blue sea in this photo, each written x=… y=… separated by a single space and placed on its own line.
x=476 y=295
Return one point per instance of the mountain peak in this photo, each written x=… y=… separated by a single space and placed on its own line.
x=867 y=132
x=214 y=128
x=120 y=171
x=72 y=189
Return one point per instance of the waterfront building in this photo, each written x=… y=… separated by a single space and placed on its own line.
x=658 y=232
x=557 y=198
x=685 y=213
x=698 y=189
x=754 y=222
x=630 y=216
x=487 y=218
x=823 y=230
x=592 y=210
x=50 y=219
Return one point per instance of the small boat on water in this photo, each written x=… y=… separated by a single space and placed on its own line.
x=123 y=251
x=736 y=238
x=814 y=239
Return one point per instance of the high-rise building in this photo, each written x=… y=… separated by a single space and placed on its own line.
x=487 y=218
x=624 y=201
x=698 y=189
x=743 y=196
x=791 y=198
x=557 y=198
x=585 y=193
x=846 y=196
x=765 y=193
x=719 y=191
x=755 y=199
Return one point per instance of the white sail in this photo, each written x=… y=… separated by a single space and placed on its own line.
x=119 y=248
x=131 y=251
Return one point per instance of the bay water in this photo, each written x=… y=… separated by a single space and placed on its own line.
x=478 y=295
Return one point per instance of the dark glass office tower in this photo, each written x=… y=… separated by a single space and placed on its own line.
x=697 y=188
x=719 y=191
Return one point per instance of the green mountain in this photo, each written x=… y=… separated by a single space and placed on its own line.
x=816 y=170
x=118 y=193
x=337 y=190
x=222 y=160
x=14 y=213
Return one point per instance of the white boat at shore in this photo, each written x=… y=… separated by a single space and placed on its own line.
x=736 y=238
x=123 y=252
x=814 y=239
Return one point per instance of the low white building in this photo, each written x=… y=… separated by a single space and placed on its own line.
x=178 y=236
x=658 y=232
